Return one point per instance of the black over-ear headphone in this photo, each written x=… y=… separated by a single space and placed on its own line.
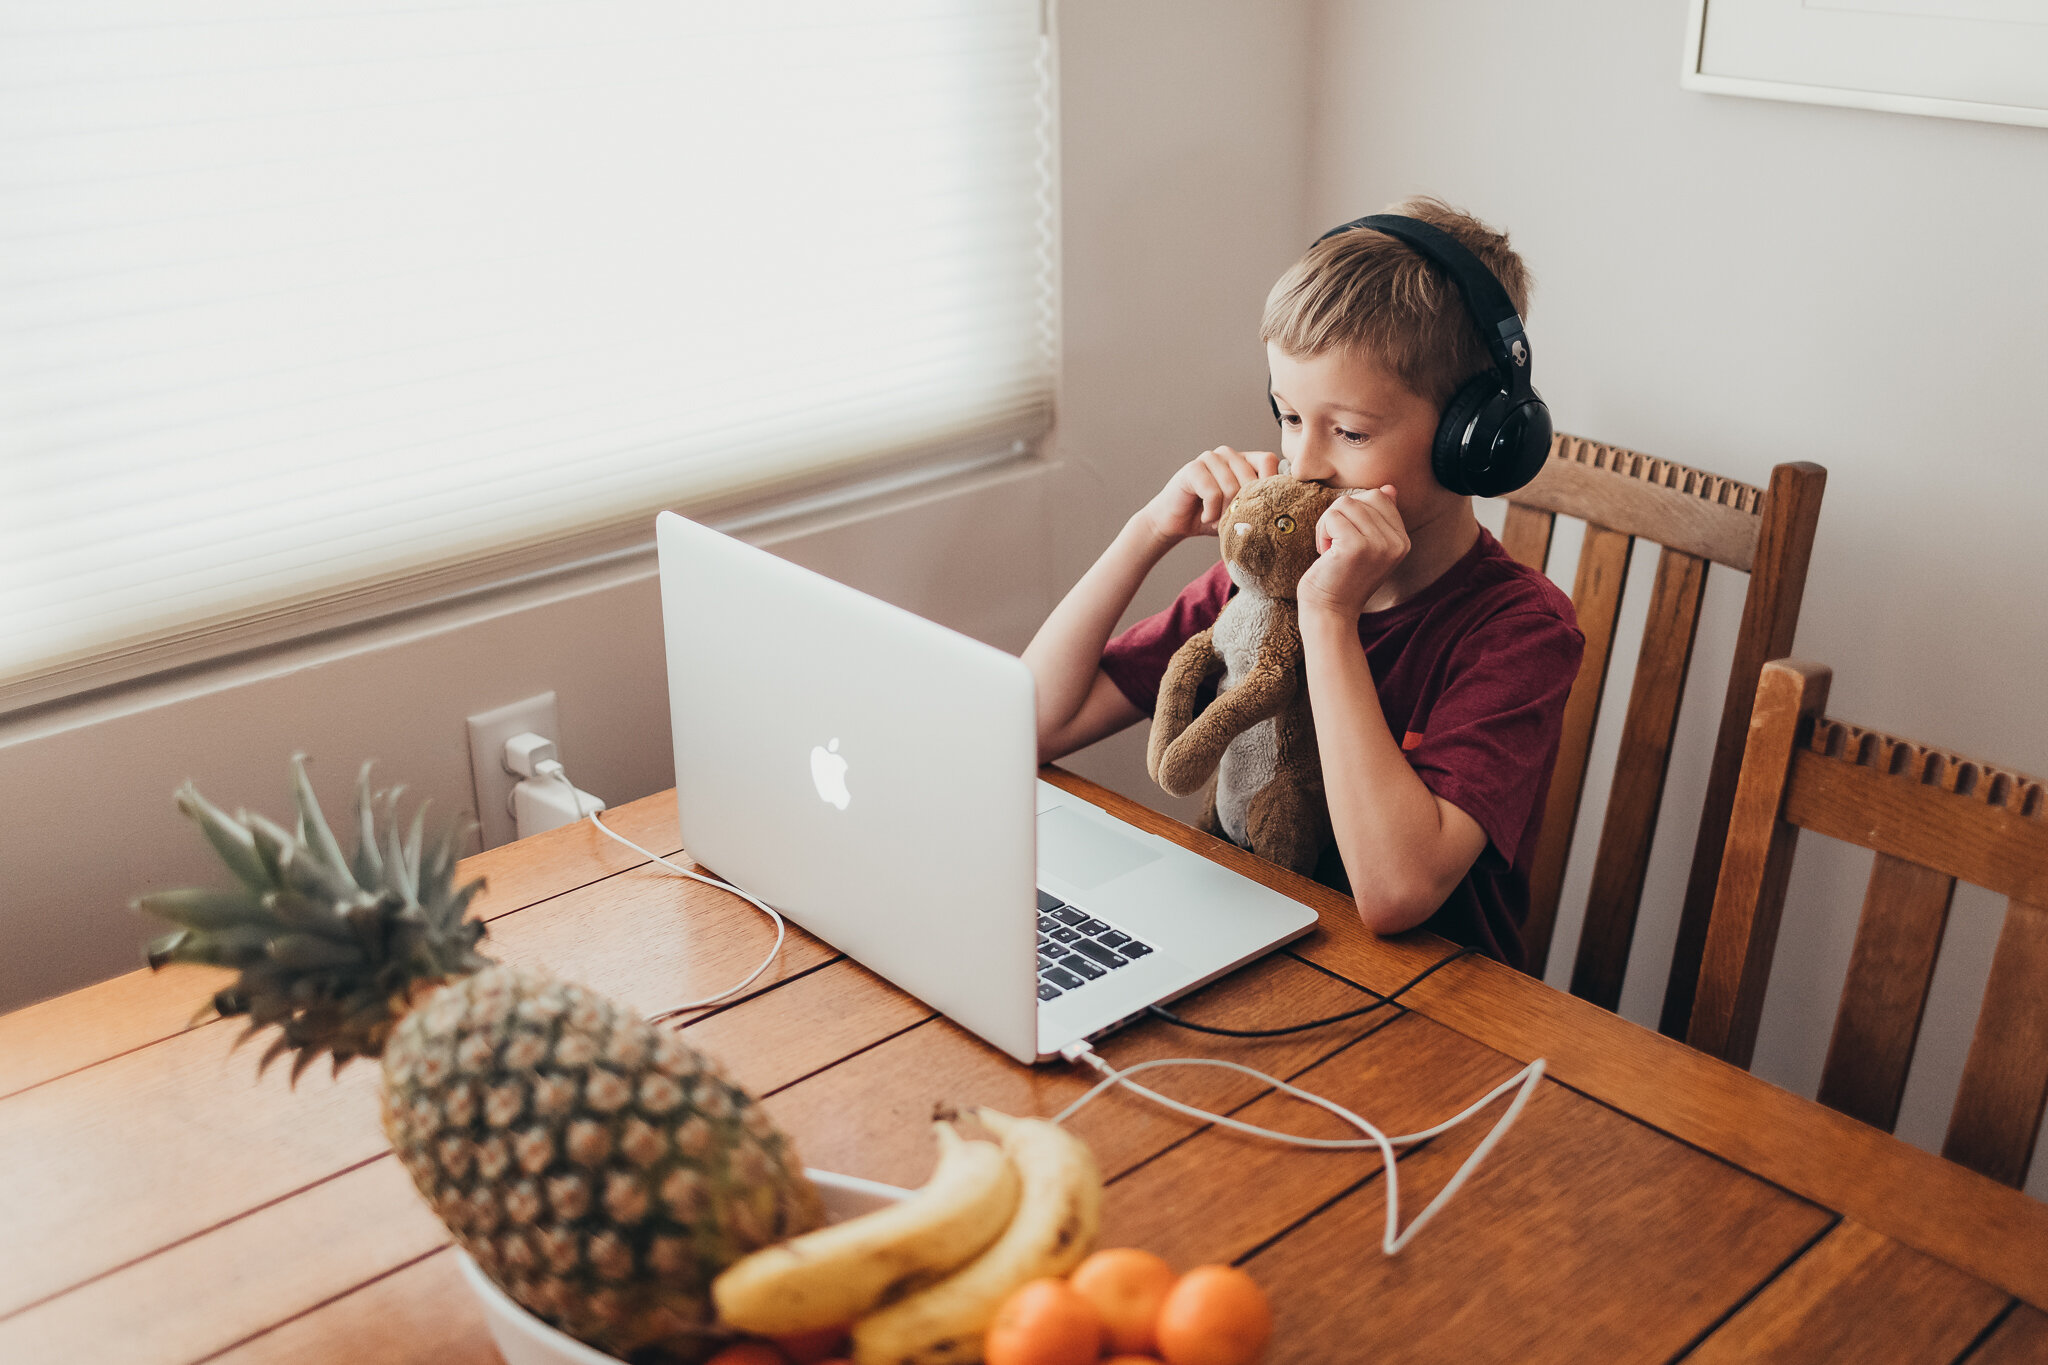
x=1495 y=433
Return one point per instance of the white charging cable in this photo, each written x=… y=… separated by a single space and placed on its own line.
x=549 y=767
x=1395 y=1237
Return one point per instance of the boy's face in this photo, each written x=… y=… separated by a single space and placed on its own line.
x=1347 y=422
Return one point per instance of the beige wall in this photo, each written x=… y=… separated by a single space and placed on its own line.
x=1185 y=163
x=1182 y=198
x=1731 y=283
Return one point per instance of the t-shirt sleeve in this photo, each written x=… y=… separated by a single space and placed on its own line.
x=1136 y=660
x=1489 y=742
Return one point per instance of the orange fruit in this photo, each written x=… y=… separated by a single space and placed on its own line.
x=812 y=1348
x=749 y=1353
x=1126 y=1286
x=1214 y=1315
x=1043 y=1322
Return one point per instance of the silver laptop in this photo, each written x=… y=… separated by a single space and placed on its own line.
x=872 y=776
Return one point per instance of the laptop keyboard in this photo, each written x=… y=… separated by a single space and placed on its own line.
x=1075 y=948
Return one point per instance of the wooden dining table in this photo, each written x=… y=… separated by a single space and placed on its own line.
x=161 y=1203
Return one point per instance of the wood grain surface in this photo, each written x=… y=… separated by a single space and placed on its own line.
x=1525 y=534
x=1596 y=597
x=2021 y=1339
x=1905 y=911
x=159 y=1204
x=1742 y=940
x=1858 y=1296
x=1997 y=1114
x=1790 y=516
x=1672 y=504
x=1629 y=824
x=1914 y=1197
x=1585 y=1237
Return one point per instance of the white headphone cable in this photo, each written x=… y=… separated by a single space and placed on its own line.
x=552 y=768
x=1395 y=1237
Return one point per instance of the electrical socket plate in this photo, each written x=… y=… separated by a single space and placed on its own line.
x=488 y=731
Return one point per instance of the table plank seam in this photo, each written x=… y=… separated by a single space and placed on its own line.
x=677 y=1023
x=1682 y=1141
x=1613 y=1108
x=1201 y=1128
x=865 y=1047
x=2011 y=1306
x=326 y=1302
x=99 y=1061
x=199 y=1023
x=1759 y=1287
x=192 y=1236
x=1332 y=973
x=1318 y=1211
x=572 y=890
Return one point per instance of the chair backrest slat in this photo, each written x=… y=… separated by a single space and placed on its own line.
x=1755 y=866
x=1526 y=535
x=1673 y=504
x=1997 y=1115
x=1905 y=911
x=1630 y=823
x=1596 y=598
x=1770 y=614
x=1956 y=819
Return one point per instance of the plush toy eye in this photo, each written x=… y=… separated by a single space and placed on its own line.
x=1284 y=524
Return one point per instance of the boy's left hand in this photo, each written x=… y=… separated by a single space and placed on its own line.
x=1359 y=540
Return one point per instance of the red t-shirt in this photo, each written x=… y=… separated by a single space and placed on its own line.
x=1472 y=673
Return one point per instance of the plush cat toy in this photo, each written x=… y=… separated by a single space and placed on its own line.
x=1257 y=736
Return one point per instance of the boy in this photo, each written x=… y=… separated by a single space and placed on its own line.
x=1437 y=667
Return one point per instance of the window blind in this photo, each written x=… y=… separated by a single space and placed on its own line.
x=303 y=300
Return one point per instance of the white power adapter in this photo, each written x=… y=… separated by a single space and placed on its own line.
x=544 y=799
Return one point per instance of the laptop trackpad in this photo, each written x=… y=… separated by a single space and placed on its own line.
x=1076 y=849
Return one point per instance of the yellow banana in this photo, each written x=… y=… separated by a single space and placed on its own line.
x=1055 y=1225
x=829 y=1277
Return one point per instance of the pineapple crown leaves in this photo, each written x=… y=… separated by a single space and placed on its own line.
x=331 y=948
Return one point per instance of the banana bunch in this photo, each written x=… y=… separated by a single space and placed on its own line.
x=1058 y=1212
x=829 y=1277
x=921 y=1280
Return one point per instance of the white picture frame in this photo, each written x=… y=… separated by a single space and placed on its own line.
x=1967 y=59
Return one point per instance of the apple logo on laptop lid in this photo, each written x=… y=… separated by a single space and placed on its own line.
x=828 y=774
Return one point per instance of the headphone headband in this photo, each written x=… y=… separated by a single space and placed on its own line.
x=1500 y=326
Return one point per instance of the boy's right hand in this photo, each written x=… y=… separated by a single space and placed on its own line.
x=1193 y=500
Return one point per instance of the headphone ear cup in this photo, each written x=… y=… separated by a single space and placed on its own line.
x=1488 y=443
x=1454 y=459
x=1520 y=437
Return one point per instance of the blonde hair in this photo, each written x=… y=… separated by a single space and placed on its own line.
x=1365 y=291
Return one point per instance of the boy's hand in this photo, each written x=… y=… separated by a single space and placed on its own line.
x=1193 y=500
x=1358 y=541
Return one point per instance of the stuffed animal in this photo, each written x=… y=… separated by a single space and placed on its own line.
x=1257 y=736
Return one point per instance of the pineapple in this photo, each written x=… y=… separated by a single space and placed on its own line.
x=601 y=1170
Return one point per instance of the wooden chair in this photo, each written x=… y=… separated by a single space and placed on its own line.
x=1698 y=519
x=1932 y=818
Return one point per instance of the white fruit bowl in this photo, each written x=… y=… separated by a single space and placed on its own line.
x=524 y=1339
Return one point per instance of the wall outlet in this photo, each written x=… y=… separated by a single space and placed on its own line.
x=488 y=731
